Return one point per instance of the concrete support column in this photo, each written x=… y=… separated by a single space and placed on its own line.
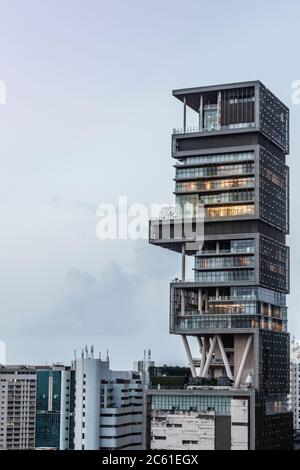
x=243 y=363
x=206 y=301
x=209 y=356
x=224 y=357
x=201 y=113
x=184 y=114
x=200 y=300
x=269 y=310
x=183 y=263
x=203 y=355
x=182 y=302
x=219 y=111
x=189 y=355
x=261 y=308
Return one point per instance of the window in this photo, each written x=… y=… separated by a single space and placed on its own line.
x=210 y=117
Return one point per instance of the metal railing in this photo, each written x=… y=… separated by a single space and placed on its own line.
x=197 y=129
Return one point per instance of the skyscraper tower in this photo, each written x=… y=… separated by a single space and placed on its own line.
x=233 y=163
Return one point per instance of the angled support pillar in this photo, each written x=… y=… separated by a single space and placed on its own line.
x=189 y=355
x=209 y=356
x=184 y=114
x=243 y=363
x=224 y=357
x=203 y=350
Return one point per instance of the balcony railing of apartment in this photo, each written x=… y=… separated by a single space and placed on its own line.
x=197 y=129
x=225 y=263
x=229 y=251
x=211 y=171
x=226 y=321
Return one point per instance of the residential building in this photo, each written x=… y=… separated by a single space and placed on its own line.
x=232 y=216
x=17 y=407
x=108 y=406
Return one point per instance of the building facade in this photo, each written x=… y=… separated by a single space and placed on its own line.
x=17 y=407
x=55 y=396
x=295 y=385
x=85 y=406
x=232 y=216
x=108 y=410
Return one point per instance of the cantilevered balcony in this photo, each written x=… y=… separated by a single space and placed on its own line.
x=198 y=324
x=177 y=234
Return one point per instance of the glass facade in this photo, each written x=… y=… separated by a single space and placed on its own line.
x=210 y=185
x=219 y=404
x=219 y=158
x=208 y=322
x=48 y=407
x=42 y=392
x=227 y=247
x=224 y=262
x=216 y=170
x=47 y=430
x=210 y=117
x=273 y=190
x=225 y=276
x=237 y=196
x=230 y=211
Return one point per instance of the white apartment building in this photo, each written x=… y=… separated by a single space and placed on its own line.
x=108 y=406
x=17 y=407
x=295 y=384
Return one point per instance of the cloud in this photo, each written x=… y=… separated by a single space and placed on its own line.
x=91 y=305
x=115 y=303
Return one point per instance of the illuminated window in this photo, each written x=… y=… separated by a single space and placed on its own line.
x=229 y=211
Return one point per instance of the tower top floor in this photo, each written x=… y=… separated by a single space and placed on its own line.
x=236 y=108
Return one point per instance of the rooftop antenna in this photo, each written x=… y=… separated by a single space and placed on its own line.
x=82 y=354
x=75 y=355
x=92 y=351
x=86 y=352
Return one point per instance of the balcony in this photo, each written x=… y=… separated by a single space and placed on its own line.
x=204 y=322
x=197 y=129
x=229 y=251
x=215 y=171
x=172 y=232
x=214 y=185
x=227 y=262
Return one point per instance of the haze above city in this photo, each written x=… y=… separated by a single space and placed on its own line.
x=88 y=117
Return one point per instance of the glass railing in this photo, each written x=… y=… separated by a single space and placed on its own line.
x=228 y=197
x=233 y=298
x=229 y=251
x=215 y=171
x=225 y=263
x=229 y=211
x=214 y=185
x=225 y=276
x=197 y=129
x=206 y=322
